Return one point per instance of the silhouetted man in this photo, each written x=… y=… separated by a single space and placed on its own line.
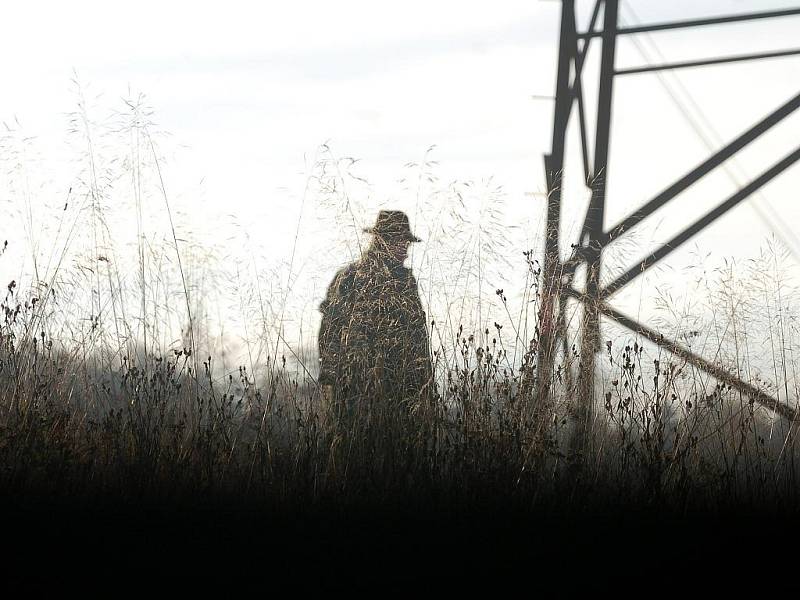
x=373 y=340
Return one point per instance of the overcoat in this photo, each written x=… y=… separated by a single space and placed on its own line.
x=373 y=340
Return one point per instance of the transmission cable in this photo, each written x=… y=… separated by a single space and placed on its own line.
x=698 y=122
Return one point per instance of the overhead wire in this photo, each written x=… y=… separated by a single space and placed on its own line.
x=711 y=138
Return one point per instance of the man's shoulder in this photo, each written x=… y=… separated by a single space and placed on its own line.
x=406 y=273
x=346 y=274
x=346 y=271
x=340 y=285
x=346 y=277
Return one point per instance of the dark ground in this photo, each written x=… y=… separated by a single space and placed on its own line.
x=111 y=547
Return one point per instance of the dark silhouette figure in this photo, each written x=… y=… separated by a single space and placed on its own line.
x=373 y=340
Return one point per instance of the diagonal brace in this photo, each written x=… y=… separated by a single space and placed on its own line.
x=702 y=169
x=701 y=223
x=785 y=410
x=708 y=62
x=576 y=91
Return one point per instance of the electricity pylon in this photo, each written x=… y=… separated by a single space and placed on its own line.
x=594 y=238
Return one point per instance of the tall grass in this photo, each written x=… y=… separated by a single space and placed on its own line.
x=116 y=380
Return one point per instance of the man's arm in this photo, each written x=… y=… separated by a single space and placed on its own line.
x=422 y=367
x=333 y=309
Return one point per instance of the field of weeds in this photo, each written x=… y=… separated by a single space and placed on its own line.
x=105 y=410
x=163 y=427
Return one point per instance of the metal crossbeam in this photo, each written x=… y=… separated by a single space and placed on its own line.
x=784 y=410
x=708 y=61
x=704 y=168
x=697 y=22
x=701 y=223
x=580 y=55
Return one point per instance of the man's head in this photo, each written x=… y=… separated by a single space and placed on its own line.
x=393 y=249
x=392 y=234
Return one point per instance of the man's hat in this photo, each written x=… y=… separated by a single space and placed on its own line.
x=393 y=224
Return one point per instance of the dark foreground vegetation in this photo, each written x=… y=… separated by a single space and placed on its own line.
x=159 y=467
x=126 y=457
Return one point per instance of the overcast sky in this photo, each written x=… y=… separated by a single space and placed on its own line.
x=247 y=92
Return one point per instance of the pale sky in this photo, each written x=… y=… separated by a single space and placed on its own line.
x=244 y=93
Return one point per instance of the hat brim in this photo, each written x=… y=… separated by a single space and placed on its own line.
x=404 y=235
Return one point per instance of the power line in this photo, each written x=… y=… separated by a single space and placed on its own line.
x=713 y=140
